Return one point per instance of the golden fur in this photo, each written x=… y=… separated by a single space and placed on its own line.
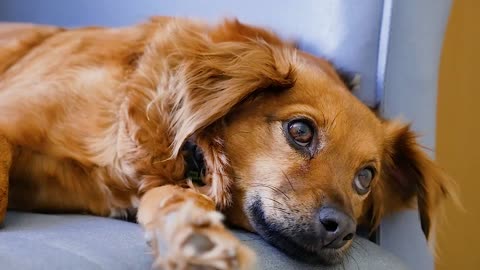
x=97 y=118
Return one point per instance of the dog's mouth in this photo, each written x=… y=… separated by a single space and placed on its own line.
x=298 y=247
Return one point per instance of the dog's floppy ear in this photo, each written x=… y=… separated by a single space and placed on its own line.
x=408 y=174
x=350 y=79
x=216 y=73
x=219 y=76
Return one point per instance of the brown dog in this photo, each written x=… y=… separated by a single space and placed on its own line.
x=104 y=121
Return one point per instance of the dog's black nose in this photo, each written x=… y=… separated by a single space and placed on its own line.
x=337 y=228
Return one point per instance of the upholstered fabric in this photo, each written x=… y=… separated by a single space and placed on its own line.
x=39 y=241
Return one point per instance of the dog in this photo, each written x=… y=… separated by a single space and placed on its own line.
x=182 y=123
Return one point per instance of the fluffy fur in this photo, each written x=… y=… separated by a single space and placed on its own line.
x=95 y=120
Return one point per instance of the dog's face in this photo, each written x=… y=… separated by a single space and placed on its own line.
x=295 y=155
x=304 y=161
x=310 y=161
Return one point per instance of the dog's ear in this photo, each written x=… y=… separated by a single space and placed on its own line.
x=219 y=76
x=408 y=175
x=350 y=79
x=234 y=30
x=216 y=73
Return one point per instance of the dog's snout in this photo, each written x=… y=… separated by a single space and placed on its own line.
x=337 y=228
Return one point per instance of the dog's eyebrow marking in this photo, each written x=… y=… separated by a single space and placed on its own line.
x=373 y=160
x=297 y=109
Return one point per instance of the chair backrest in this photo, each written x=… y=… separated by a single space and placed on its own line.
x=393 y=45
x=412 y=43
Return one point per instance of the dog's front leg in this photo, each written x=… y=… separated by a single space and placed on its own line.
x=186 y=232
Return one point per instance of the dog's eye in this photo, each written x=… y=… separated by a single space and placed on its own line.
x=363 y=179
x=301 y=132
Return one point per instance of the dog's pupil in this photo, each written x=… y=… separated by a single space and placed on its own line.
x=365 y=176
x=301 y=132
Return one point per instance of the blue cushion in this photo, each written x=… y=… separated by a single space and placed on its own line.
x=38 y=241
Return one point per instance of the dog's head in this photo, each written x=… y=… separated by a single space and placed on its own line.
x=290 y=152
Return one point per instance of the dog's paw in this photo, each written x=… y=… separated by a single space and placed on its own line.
x=195 y=239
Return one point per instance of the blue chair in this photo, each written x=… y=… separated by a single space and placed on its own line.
x=394 y=46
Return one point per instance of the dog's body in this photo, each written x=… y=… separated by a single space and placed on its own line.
x=96 y=119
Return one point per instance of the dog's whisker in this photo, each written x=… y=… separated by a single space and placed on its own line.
x=332 y=124
x=275 y=189
x=284 y=229
x=274 y=201
x=350 y=256
x=324 y=119
x=288 y=228
x=357 y=245
x=288 y=180
x=277 y=208
x=311 y=189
